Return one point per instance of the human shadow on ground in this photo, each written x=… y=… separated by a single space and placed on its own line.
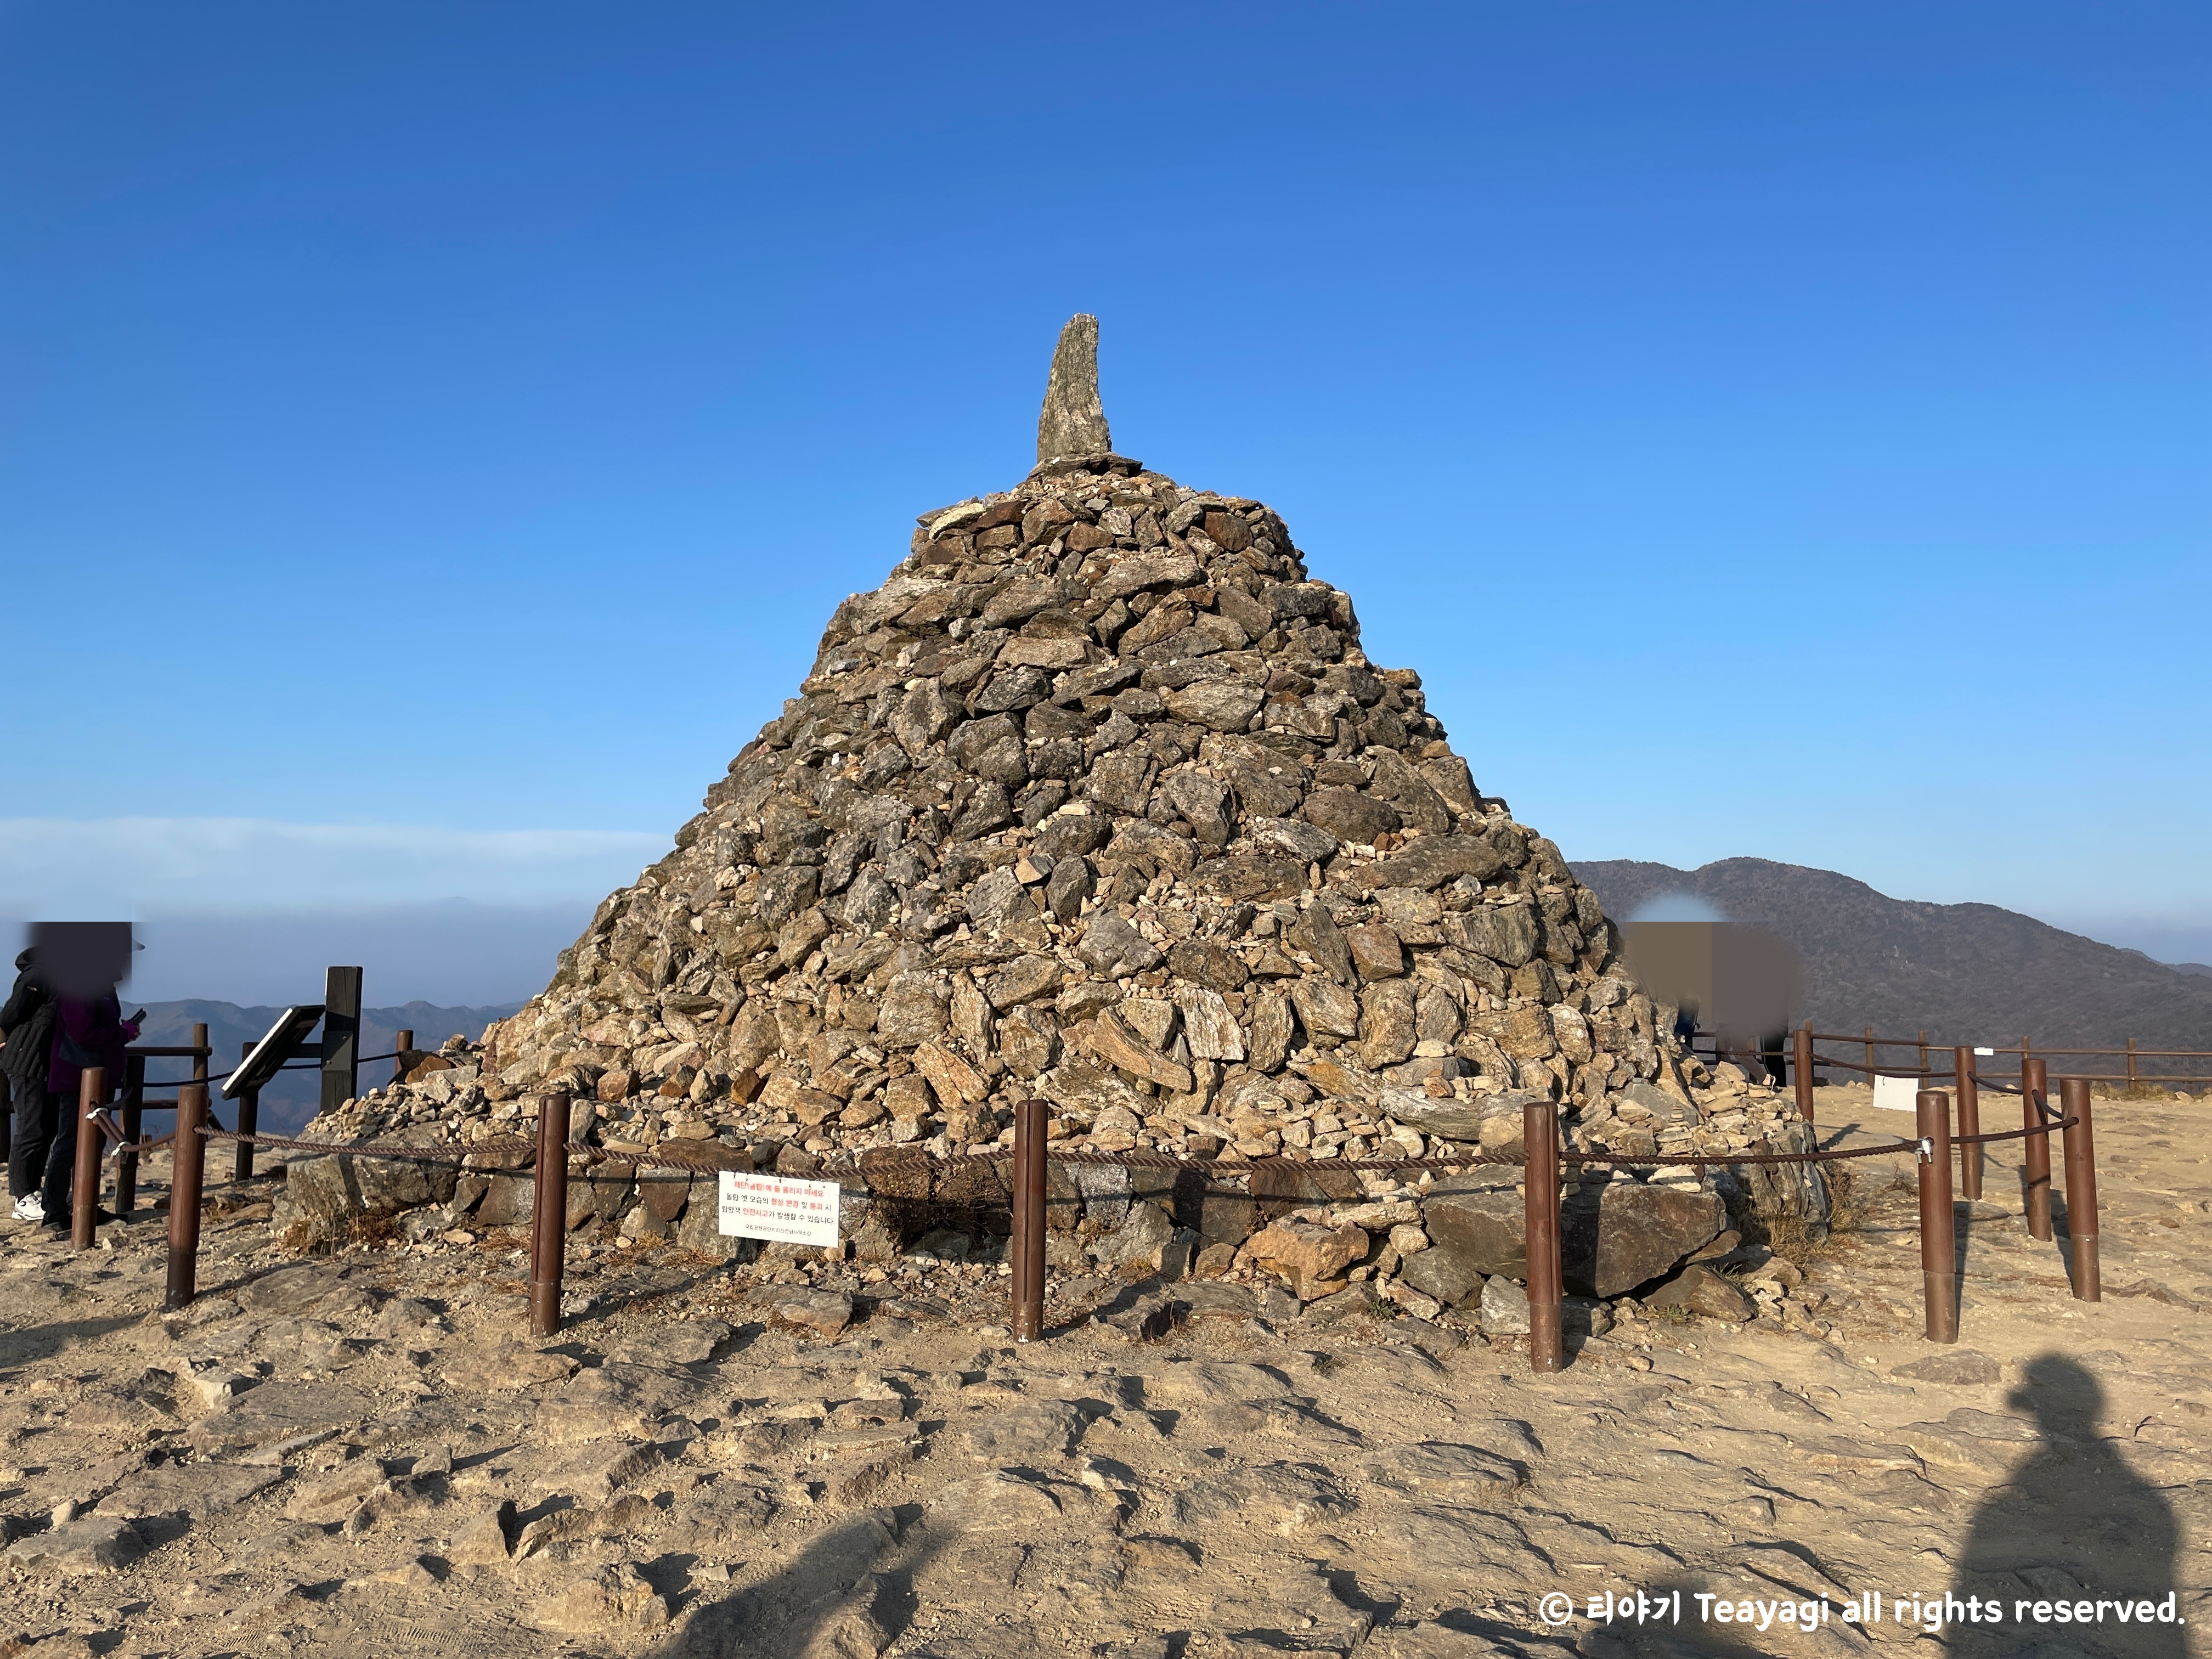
x=2070 y=1523
x=850 y=1590
x=30 y=1345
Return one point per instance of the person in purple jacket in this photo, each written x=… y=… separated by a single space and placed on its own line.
x=88 y=1031
x=85 y=961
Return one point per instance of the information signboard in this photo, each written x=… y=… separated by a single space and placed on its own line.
x=1897 y=1094
x=779 y=1208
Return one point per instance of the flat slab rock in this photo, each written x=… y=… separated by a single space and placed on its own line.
x=1284 y=1498
x=826 y=1313
x=280 y=1411
x=194 y=1490
x=1035 y=1429
x=1958 y=1367
x=506 y=1369
x=89 y=1543
x=613 y=1400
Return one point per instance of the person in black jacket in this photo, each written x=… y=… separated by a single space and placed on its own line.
x=27 y=1041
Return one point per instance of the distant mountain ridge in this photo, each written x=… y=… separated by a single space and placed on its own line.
x=1965 y=973
x=289 y=1101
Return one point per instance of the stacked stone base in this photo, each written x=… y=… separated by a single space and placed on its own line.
x=1426 y=1244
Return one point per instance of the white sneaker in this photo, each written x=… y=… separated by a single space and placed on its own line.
x=30 y=1207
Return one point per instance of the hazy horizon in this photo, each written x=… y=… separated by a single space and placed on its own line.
x=457 y=953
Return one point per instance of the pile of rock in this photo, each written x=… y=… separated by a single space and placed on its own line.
x=1097 y=799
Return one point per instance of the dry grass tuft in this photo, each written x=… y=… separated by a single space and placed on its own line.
x=1850 y=1199
x=373 y=1229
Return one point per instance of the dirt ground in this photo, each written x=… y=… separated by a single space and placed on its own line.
x=362 y=1455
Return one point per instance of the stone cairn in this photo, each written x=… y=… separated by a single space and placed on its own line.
x=1098 y=798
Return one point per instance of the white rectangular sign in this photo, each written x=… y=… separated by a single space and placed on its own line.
x=1897 y=1094
x=779 y=1208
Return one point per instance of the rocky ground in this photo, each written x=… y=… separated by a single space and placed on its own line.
x=361 y=1452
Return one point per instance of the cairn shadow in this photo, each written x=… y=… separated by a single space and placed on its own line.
x=2071 y=1522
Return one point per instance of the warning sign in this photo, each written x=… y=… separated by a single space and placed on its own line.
x=779 y=1208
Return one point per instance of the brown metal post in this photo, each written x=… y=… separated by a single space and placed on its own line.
x=187 y=1181
x=549 y=1232
x=84 y=1188
x=2081 y=1189
x=1027 y=1244
x=1539 y=1133
x=249 y=1120
x=1869 y=1048
x=1970 y=1122
x=2035 y=1151
x=2131 y=1066
x=1939 y=1242
x=403 y=1043
x=1801 y=1066
x=1923 y=1056
x=133 y=1114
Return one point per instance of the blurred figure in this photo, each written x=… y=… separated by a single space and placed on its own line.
x=1773 y=1056
x=26 y=1043
x=84 y=962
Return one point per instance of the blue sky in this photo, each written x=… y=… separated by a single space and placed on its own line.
x=1771 y=429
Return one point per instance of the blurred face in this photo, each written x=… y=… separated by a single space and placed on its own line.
x=83 y=959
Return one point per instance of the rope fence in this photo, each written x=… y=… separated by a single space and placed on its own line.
x=1540 y=1161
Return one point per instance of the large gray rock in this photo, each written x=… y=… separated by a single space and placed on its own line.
x=1627 y=1233
x=1504 y=1312
x=1435 y=859
x=1699 y=1290
x=1455 y=1120
x=322 y=1198
x=1609 y=1243
x=1504 y=934
x=1796 y=1192
x=1350 y=815
x=1073 y=421
x=77 y=1549
x=1449 y=1275
x=1113 y=949
x=1142 y=1236
x=1481 y=1218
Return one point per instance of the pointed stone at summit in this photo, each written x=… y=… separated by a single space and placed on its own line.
x=1073 y=421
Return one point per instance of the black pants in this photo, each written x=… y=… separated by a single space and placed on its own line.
x=33 y=1139
x=61 y=1159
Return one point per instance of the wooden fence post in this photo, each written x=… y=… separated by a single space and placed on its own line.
x=1026 y=1247
x=84 y=1188
x=187 y=1185
x=548 y=1228
x=1801 y=1064
x=1939 y=1241
x=249 y=1122
x=2081 y=1189
x=1539 y=1133
x=1970 y=1122
x=2035 y=1152
x=133 y=1116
